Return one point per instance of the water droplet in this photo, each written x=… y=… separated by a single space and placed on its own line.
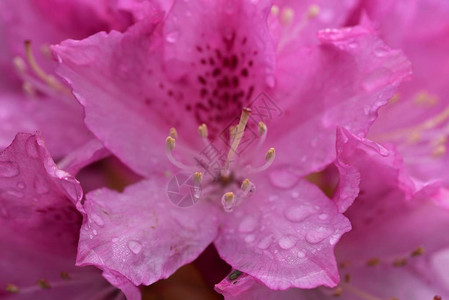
x=250 y=238
x=114 y=240
x=11 y=194
x=248 y=224
x=40 y=185
x=318 y=235
x=21 y=185
x=94 y=232
x=287 y=242
x=8 y=169
x=97 y=219
x=91 y=236
x=31 y=147
x=323 y=217
x=283 y=178
x=298 y=214
x=295 y=194
x=265 y=242
x=301 y=254
x=172 y=37
x=135 y=247
x=273 y=198
x=381 y=51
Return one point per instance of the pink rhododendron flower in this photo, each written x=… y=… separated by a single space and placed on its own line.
x=31 y=96
x=416 y=120
x=197 y=70
x=396 y=245
x=40 y=227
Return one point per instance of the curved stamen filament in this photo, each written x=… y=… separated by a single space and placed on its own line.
x=48 y=79
x=169 y=147
x=269 y=159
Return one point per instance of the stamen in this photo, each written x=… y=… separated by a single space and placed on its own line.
x=202 y=129
x=28 y=88
x=287 y=16
x=347 y=278
x=313 y=11
x=65 y=275
x=269 y=159
x=238 y=136
x=400 y=262
x=173 y=133
x=48 y=79
x=169 y=147
x=338 y=291
x=373 y=262
x=418 y=251
x=43 y=284
x=20 y=65
x=228 y=201
x=262 y=128
x=247 y=187
x=197 y=179
x=232 y=133
x=12 y=288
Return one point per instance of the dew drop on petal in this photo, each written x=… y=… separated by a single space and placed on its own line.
x=250 y=238
x=283 y=178
x=97 y=219
x=323 y=217
x=248 y=224
x=8 y=169
x=298 y=214
x=172 y=37
x=318 y=235
x=265 y=242
x=287 y=242
x=21 y=185
x=114 y=240
x=295 y=194
x=135 y=247
x=94 y=232
x=301 y=254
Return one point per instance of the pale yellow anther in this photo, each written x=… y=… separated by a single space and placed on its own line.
x=275 y=10
x=262 y=128
x=313 y=11
x=271 y=153
x=170 y=143
x=202 y=130
x=246 y=184
x=173 y=133
x=418 y=251
x=338 y=292
x=28 y=88
x=12 y=288
x=229 y=197
x=19 y=64
x=287 y=15
x=197 y=178
x=439 y=150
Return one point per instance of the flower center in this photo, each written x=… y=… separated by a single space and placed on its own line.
x=227 y=174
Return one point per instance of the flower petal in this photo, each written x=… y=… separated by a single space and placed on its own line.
x=284 y=237
x=341 y=82
x=140 y=235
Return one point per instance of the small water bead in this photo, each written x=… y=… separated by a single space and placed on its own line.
x=323 y=217
x=283 y=178
x=8 y=169
x=21 y=185
x=301 y=254
x=172 y=37
x=248 y=224
x=265 y=242
x=287 y=242
x=295 y=194
x=298 y=214
x=97 y=219
x=250 y=238
x=135 y=247
x=94 y=232
x=114 y=240
x=318 y=235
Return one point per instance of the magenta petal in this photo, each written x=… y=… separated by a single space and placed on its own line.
x=140 y=235
x=284 y=237
x=342 y=82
